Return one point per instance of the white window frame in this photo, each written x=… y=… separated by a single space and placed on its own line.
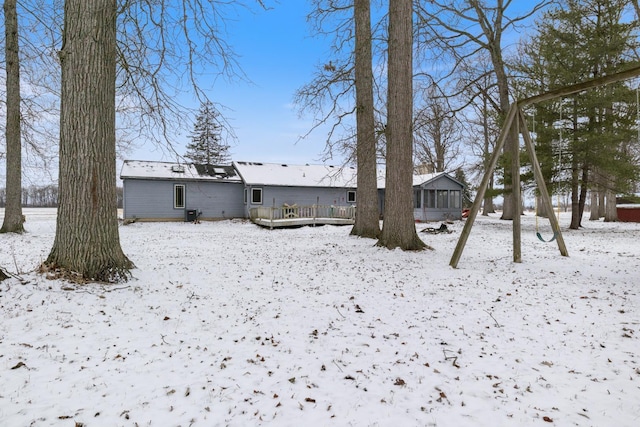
x=183 y=188
x=254 y=192
x=351 y=199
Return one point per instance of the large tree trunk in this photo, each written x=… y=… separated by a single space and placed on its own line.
x=367 y=217
x=87 y=241
x=611 y=211
x=495 y=48
x=13 y=218
x=398 y=229
x=487 y=206
x=593 y=213
x=601 y=200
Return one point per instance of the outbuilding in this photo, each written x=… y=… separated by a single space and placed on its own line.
x=628 y=208
x=629 y=212
x=437 y=197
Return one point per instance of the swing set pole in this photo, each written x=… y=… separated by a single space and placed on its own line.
x=542 y=187
x=475 y=208
x=508 y=126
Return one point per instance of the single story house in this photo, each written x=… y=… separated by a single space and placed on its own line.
x=161 y=191
x=274 y=185
x=156 y=191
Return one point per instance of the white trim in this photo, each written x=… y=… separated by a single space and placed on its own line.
x=175 y=196
x=253 y=199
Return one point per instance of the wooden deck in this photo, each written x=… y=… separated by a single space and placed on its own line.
x=297 y=216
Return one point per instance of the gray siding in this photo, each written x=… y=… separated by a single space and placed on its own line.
x=153 y=199
x=453 y=210
x=302 y=196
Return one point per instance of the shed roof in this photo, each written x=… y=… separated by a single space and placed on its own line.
x=179 y=171
x=423 y=179
x=253 y=173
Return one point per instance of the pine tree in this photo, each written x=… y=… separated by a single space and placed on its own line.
x=207 y=146
x=579 y=41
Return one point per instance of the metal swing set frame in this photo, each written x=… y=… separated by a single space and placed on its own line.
x=516 y=122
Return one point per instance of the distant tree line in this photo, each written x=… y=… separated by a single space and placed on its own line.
x=43 y=196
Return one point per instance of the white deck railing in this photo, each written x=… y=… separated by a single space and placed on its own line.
x=294 y=211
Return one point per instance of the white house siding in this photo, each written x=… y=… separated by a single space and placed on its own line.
x=153 y=199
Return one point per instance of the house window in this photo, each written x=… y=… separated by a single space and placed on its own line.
x=431 y=198
x=351 y=196
x=246 y=195
x=454 y=199
x=256 y=196
x=178 y=196
x=417 y=199
x=443 y=199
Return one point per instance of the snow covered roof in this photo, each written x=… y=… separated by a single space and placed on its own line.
x=425 y=178
x=167 y=170
x=254 y=173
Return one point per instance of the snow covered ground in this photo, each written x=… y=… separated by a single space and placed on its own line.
x=226 y=323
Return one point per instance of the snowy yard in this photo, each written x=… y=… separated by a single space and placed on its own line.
x=226 y=323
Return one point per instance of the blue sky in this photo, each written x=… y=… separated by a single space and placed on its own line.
x=278 y=54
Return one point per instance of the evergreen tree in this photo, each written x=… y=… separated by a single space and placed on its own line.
x=207 y=146
x=579 y=41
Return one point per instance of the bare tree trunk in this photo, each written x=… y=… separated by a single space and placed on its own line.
x=575 y=189
x=611 y=211
x=13 y=219
x=398 y=229
x=368 y=216
x=582 y=201
x=487 y=206
x=493 y=33
x=87 y=241
x=593 y=215
x=540 y=211
x=601 y=200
